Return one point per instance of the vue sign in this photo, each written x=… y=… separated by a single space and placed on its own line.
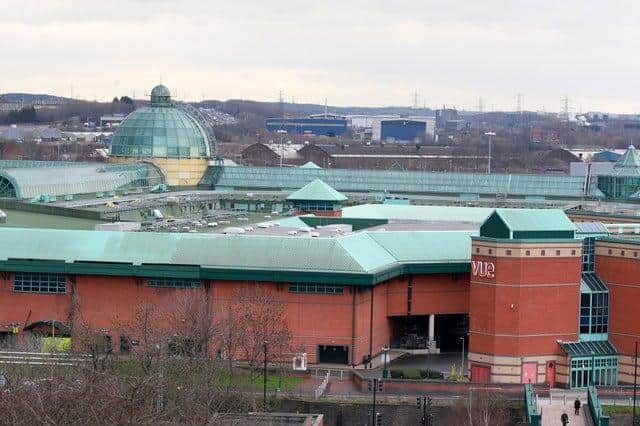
x=483 y=269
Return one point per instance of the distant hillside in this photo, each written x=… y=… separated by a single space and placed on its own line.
x=31 y=98
x=274 y=109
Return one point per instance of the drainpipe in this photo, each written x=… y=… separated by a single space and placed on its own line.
x=353 y=326
x=371 y=329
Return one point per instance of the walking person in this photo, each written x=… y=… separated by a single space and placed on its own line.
x=577 y=405
x=564 y=418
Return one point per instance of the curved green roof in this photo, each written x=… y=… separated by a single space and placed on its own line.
x=160 y=130
x=29 y=179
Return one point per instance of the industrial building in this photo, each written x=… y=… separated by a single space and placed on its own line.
x=411 y=131
x=319 y=126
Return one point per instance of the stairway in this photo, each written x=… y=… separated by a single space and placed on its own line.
x=562 y=402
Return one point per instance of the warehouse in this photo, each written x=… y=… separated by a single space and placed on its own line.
x=410 y=131
x=413 y=277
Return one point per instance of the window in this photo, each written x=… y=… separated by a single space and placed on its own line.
x=508 y=252
x=316 y=288
x=588 y=254
x=477 y=249
x=594 y=313
x=173 y=282
x=542 y=252
x=40 y=283
x=573 y=252
x=527 y=253
x=557 y=252
x=490 y=251
x=622 y=252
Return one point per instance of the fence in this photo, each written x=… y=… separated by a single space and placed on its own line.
x=599 y=419
x=323 y=386
x=40 y=358
x=534 y=418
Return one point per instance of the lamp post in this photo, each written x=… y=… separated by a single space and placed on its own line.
x=385 y=355
x=462 y=356
x=264 y=377
x=490 y=134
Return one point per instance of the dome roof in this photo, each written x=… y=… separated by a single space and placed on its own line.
x=159 y=131
x=160 y=96
x=160 y=90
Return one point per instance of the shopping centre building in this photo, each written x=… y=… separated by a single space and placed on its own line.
x=533 y=295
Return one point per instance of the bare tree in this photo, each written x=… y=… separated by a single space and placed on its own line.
x=255 y=316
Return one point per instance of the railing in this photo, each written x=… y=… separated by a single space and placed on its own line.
x=42 y=358
x=599 y=419
x=323 y=386
x=534 y=418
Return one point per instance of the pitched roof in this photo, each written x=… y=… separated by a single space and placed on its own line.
x=310 y=165
x=316 y=190
x=536 y=220
x=362 y=257
x=628 y=164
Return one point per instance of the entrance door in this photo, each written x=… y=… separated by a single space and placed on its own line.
x=333 y=354
x=480 y=373
x=529 y=372
x=551 y=374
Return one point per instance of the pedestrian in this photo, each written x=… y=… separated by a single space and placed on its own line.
x=577 y=405
x=564 y=419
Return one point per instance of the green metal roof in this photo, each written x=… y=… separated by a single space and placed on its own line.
x=310 y=165
x=160 y=130
x=587 y=349
x=628 y=164
x=536 y=220
x=528 y=224
x=316 y=190
x=409 y=212
x=359 y=258
x=30 y=180
x=440 y=246
x=402 y=182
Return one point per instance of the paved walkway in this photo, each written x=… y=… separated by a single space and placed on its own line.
x=552 y=408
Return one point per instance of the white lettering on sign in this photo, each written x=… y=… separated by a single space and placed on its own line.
x=483 y=269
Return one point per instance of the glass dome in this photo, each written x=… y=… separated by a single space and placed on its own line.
x=161 y=130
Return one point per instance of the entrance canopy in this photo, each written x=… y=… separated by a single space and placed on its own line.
x=587 y=349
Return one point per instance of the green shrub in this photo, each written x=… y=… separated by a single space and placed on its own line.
x=431 y=374
x=396 y=374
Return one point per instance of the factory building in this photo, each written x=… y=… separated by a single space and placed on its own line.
x=319 y=126
x=401 y=130
x=534 y=297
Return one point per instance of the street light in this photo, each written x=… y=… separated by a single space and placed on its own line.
x=489 y=162
x=385 y=355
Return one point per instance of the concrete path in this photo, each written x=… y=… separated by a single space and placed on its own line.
x=552 y=408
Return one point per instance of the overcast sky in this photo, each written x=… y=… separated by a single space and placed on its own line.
x=369 y=53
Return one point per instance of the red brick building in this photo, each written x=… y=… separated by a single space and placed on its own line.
x=533 y=297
